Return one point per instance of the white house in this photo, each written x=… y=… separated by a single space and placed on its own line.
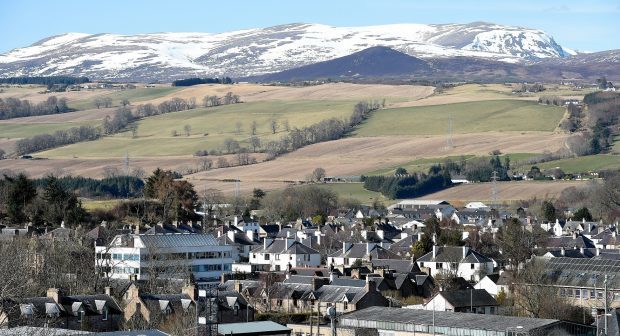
x=496 y=283
x=133 y=256
x=477 y=301
x=458 y=261
x=281 y=254
x=364 y=252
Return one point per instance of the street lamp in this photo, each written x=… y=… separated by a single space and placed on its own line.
x=515 y=330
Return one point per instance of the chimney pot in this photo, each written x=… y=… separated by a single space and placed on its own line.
x=53 y=293
x=108 y=290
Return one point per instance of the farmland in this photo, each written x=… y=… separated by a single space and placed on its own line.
x=470 y=117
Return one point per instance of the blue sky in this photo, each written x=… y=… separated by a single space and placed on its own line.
x=582 y=25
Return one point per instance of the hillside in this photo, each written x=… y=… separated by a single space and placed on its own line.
x=371 y=62
x=165 y=56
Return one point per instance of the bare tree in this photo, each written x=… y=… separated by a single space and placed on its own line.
x=318 y=174
x=222 y=162
x=285 y=125
x=98 y=102
x=253 y=127
x=174 y=133
x=187 y=129
x=254 y=142
x=191 y=103
x=134 y=130
x=107 y=102
x=125 y=102
x=238 y=126
x=2 y=154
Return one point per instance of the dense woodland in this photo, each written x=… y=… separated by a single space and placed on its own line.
x=410 y=185
x=50 y=80
x=198 y=81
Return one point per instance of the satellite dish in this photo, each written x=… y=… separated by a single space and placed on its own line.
x=331 y=311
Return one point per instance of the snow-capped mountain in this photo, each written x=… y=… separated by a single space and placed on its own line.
x=165 y=56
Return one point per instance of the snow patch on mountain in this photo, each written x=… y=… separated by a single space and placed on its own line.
x=165 y=56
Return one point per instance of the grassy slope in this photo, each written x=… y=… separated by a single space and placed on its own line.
x=28 y=130
x=469 y=117
x=584 y=163
x=134 y=96
x=355 y=191
x=155 y=133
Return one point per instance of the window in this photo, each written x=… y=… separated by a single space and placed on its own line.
x=592 y=294
x=279 y=303
x=472 y=266
x=421 y=264
x=266 y=256
x=236 y=311
x=345 y=305
x=492 y=310
x=105 y=314
x=577 y=293
x=80 y=316
x=277 y=257
x=439 y=265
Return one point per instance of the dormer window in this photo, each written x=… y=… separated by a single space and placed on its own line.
x=27 y=309
x=104 y=316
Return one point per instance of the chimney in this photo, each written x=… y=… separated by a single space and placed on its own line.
x=574 y=234
x=108 y=290
x=137 y=228
x=434 y=251
x=250 y=235
x=332 y=276
x=223 y=278
x=62 y=224
x=562 y=251
x=53 y=294
x=465 y=251
x=317 y=283
x=381 y=234
x=370 y=285
x=238 y=286
x=190 y=290
x=236 y=221
x=598 y=251
x=231 y=235
x=419 y=236
x=267 y=242
x=581 y=250
x=434 y=239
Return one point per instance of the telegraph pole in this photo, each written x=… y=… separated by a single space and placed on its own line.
x=605 y=315
x=494 y=178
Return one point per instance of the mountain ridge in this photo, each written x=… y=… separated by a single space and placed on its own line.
x=258 y=51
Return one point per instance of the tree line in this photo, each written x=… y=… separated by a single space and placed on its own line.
x=410 y=185
x=198 y=81
x=109 y=187
x=59 y=138
x=51 y=80
x=603 y=114
x=16 y=108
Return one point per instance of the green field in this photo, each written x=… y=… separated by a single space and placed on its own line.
x=423 y=164
x=9 y=130
x=471 y=117
x=584 y=163
x=209 y=128
x=91 y=205
x=133 y=95
x=355 y=191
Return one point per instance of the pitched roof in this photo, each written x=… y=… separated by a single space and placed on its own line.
x=454 y=254
x=279 y=246
x=569 y=242
x=466 y=298
x=359 y=251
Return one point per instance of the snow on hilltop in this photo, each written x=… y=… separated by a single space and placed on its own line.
x=265 y=50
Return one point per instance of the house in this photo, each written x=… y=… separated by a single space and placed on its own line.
x=242 y=242
x=477 y=301
x=574 y=241
x=460 y=261
x=97 y=313
x=351 y=254
x=155 y=309
x=496 y=283
x=135 y=256
x=319 y=295
x=282 y=254
x=416 y=204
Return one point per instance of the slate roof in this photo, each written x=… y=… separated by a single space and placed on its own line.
x=569 y=242
x=312 y=271
x=279 y=246
x=240 y=238
x=251 y=327
x=465 y=298
x=397 y=265
x=332 y=293
x=412 y=317
x=454 y=254
x=91 y=303
x=359 y=251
